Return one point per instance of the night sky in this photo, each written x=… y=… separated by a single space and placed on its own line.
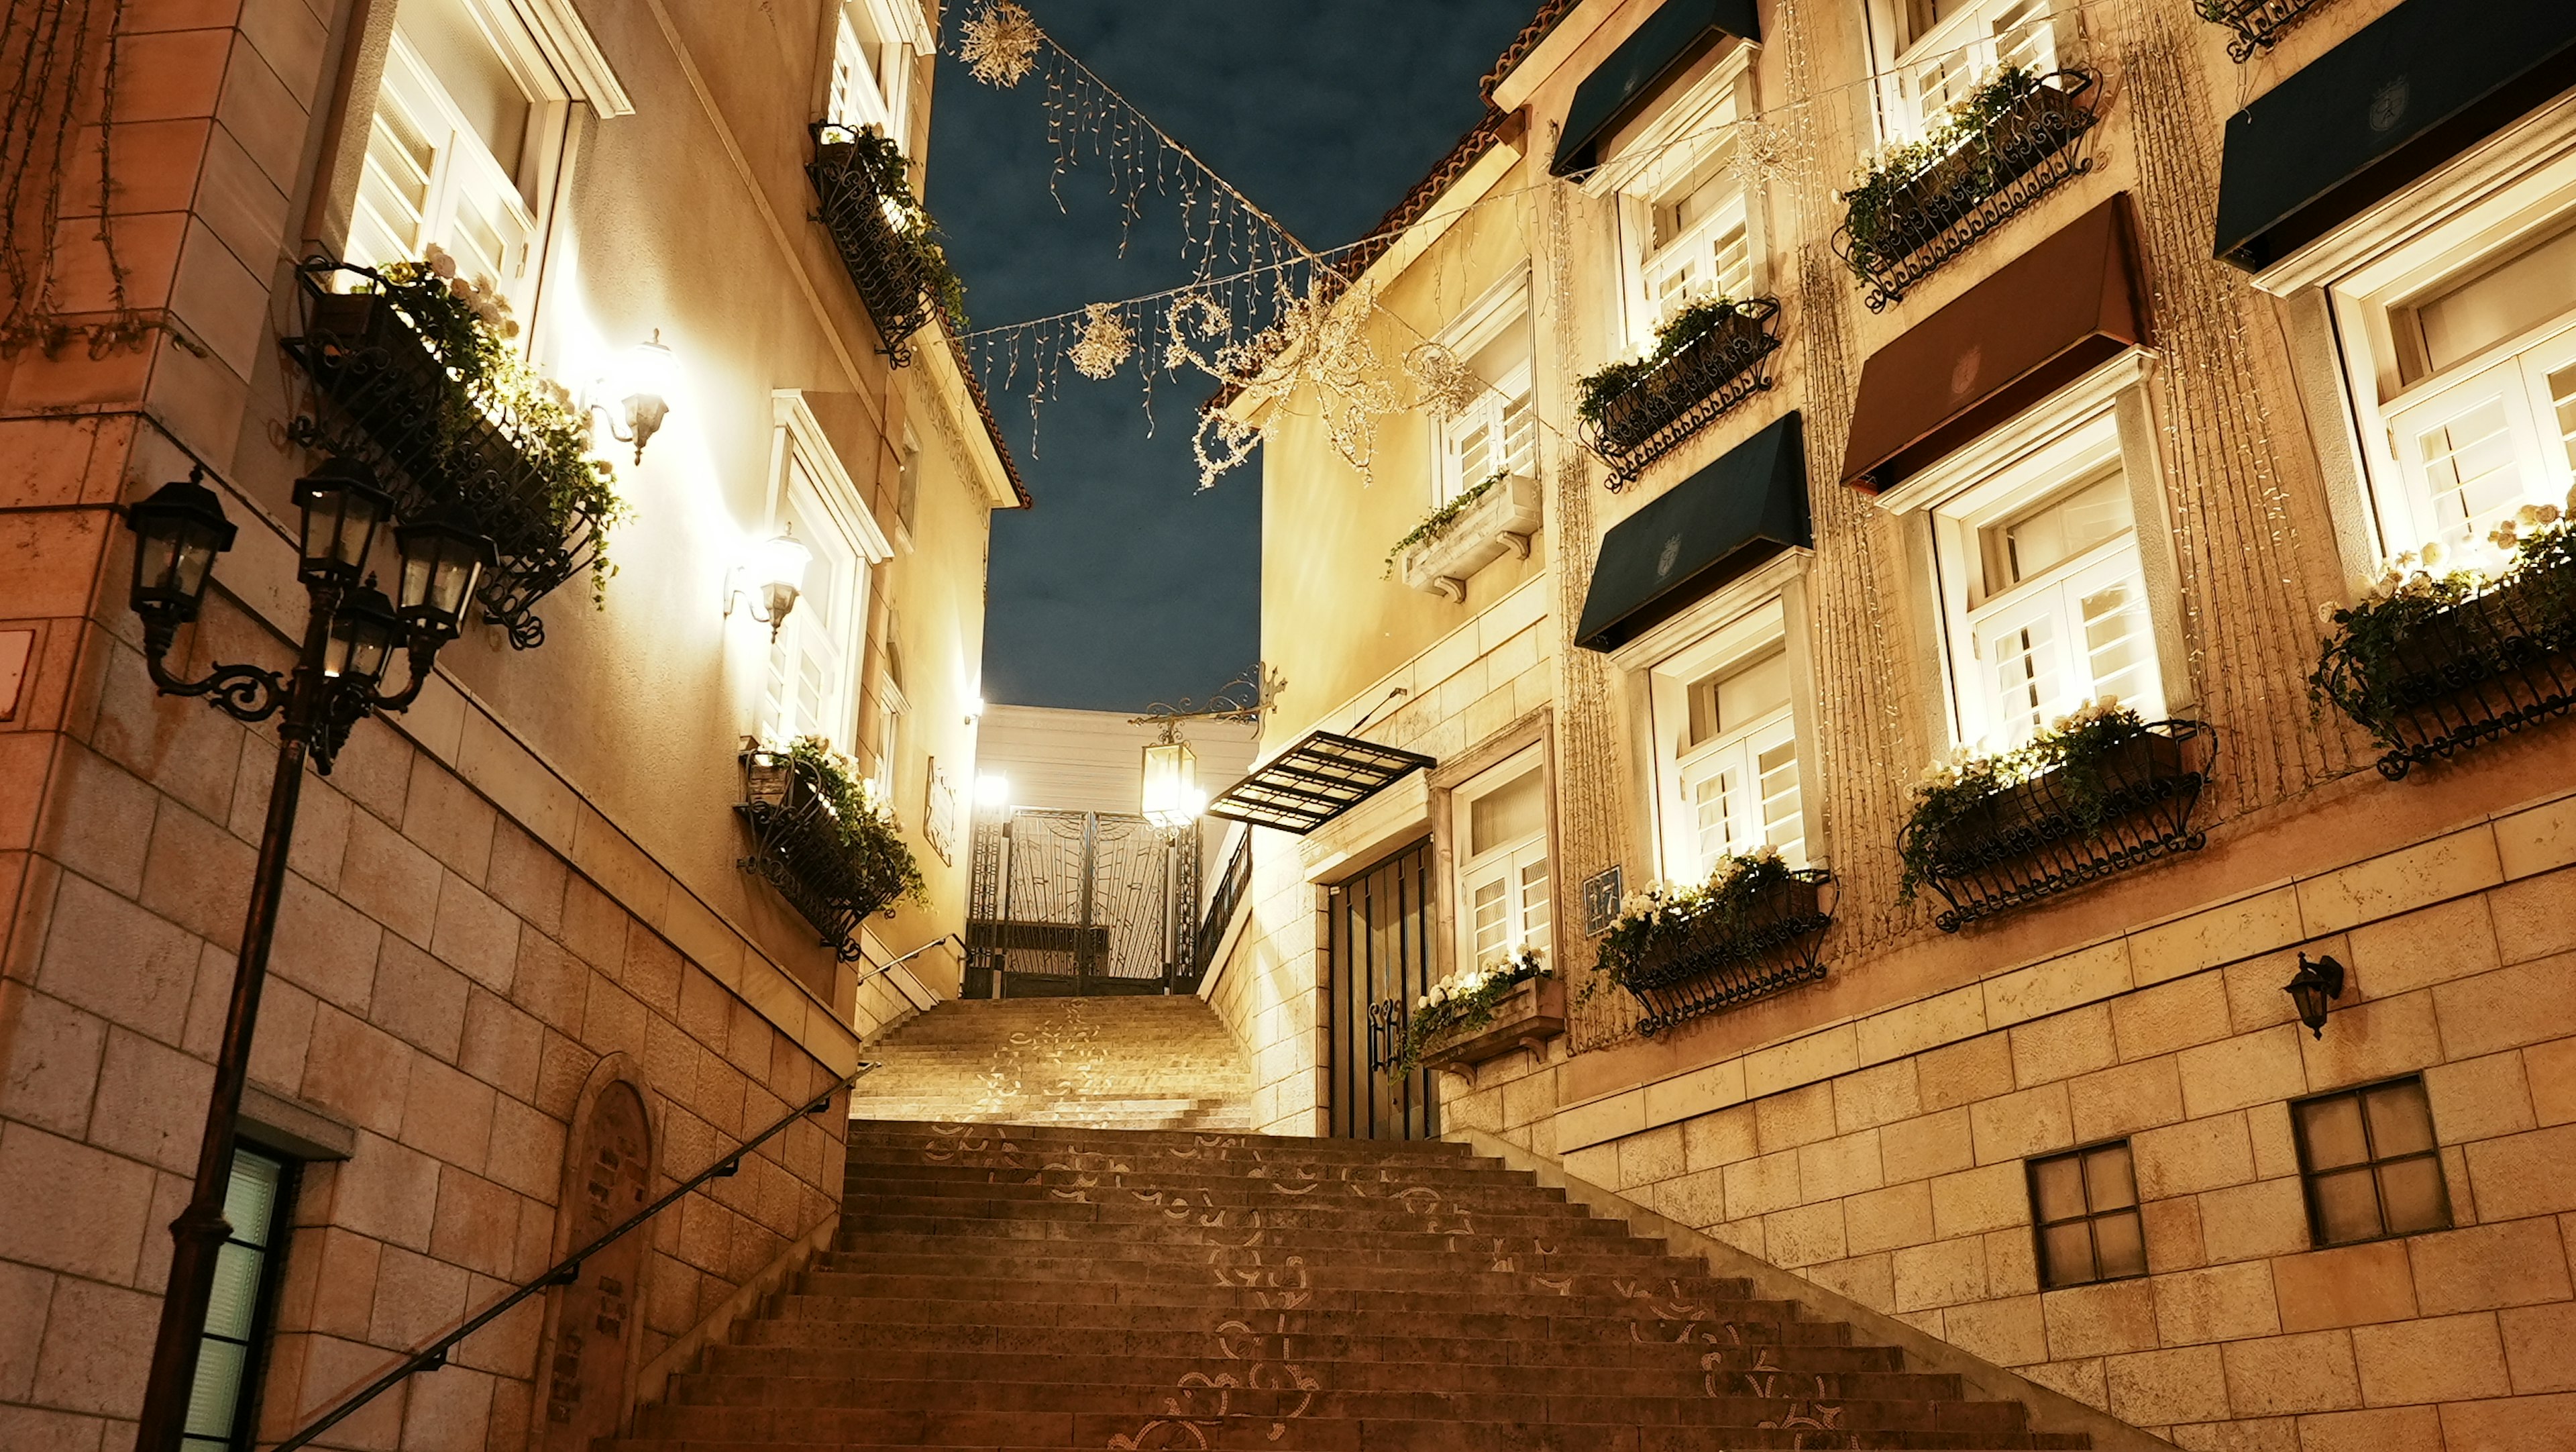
x=1126 y=585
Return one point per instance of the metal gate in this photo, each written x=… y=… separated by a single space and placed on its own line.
x=1081 y=903
x=1380 y=945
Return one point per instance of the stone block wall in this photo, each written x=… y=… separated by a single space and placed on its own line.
x=1884 y=1155
x=448 y=986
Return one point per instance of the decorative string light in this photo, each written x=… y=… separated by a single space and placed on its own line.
x=1445 y=385
x=1000 y=45
x=1105 y=344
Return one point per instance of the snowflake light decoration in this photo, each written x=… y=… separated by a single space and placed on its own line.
x=1106 y=342
x=1319 y=340
x=1448 y=386
x=1000 y=46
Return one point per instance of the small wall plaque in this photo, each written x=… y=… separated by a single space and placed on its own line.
x=1601 y=894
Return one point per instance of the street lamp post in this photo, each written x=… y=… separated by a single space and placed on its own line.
x=349 y=639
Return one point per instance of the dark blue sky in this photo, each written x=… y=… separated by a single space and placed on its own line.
x=1127 y=585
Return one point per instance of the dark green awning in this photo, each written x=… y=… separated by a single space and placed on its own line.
x=1671 y=39
x=2407 y=92
x=1704 y=532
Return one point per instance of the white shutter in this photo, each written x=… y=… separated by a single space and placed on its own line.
x=2021 y=663
x=2472 y=451
x=2109 y=600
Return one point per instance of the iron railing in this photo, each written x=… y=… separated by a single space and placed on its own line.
x=1233 y=890
x=2491 y=664
x=1894 y=238
x=2040 y=836
x=2259 y=24
x=397 y=405
x=1720 y=960
x=1684 y=393
x=562 y=1273
x=860 y=216
x=798 y=848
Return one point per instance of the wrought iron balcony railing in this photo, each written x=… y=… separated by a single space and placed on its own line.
x=1684 y=393
x=395 y=404
x=2036 y=837
x=798 y=847
x=2473 y=671
x=2259 y=24
x=1898 y=232
x=861 y=217
x=1720 y=960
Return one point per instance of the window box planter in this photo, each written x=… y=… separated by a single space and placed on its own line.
x=2463 y=674
x=1899 y=230
x=2258 y=24
x=386 y=387
x=1717 y=960
x=1499 y=521
x=1529 y=1015
x=800 y=848
x=1682 y=394
x=897 y=291
x=2029 y=839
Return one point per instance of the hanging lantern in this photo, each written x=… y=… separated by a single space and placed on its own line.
x=1172 y=797
x=2313 y=989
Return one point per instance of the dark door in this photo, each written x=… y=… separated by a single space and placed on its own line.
x=1380 y=957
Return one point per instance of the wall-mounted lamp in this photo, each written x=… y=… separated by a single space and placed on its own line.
x=974 y=709
x=992 y=790
x=2314 y=988
x=775 y=575
x=650 y=376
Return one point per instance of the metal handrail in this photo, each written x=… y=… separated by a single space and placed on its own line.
x=563 y=1273
x=1223 y=904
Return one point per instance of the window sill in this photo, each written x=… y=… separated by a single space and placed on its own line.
x=1502 y=522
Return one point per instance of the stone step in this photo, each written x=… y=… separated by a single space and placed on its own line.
x=878 y=1167
x=1450 y=1363
x=1805 y=1347
x=1343 y=1313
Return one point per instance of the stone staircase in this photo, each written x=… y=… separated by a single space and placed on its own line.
x=1008 y=1287
x=1134 y=1063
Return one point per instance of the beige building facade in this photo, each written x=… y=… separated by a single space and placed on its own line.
x=2043 y=449
x=522 y=982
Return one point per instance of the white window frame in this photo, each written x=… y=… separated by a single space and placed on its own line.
x=797 y=440
x=550 y=53
x=869 y=72
x=1655 y=166
x=2100 y=419
x=1921 y=76
x=1748 y=618
x=1682 y=766
x=1509 y=863
x=1507 y=405
x=2497 y=198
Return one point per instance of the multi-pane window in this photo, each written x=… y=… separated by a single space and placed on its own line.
x=1943 y=47
x=1503 y=882
x=2063 y=618
x=2484 y=421
x=445 y=148
x=222 y=1407
x=871 y=72
x=807 y=691
x=1701 y=244
x=1497 y=431
x=2369 y=1163
x=1739 y=770
x=2084 y=1208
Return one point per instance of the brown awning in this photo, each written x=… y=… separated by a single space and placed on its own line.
x=2040 y=322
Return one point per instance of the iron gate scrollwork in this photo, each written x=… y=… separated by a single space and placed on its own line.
x=1064 y=902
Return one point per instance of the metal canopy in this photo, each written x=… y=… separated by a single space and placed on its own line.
x=1690 y=540
x=1314 y=781
x=1678 y=33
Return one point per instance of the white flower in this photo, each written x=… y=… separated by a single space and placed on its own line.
x=2434 y=554
x=2326 y=613
x=460 y=289
x=440 y=263
x=2533 y=516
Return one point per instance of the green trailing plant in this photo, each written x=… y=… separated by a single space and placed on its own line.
x=876 y=154
x=1438 y=521
x=467 y=324
x=1594 y=391
x=2077 y=745
x=867 y=830
x=1662 y=911
x=1465 y=1002
x=2363 y=663
x=1874 y=201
